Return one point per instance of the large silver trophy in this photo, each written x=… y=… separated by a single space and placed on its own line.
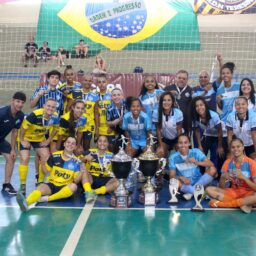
x=149 y=165
x=121 y=166
x=198 y=196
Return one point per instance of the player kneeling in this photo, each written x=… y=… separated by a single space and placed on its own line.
x=65 y=171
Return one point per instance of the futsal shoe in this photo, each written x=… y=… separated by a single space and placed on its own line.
x=90 y=196
x=246 y=208
x=214 y=203
x=8 y=188
x=21 y=200
x=23 y=189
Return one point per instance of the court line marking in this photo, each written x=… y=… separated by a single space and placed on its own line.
x=74 y=237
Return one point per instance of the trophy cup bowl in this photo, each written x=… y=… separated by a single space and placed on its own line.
x=149 y=167
x=121 y=169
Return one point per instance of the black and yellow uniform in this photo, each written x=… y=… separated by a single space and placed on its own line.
x=62 y=172
x=89 y=99
x=79 y=125
x=65 y=87
x=104 y=101
x=36 y=126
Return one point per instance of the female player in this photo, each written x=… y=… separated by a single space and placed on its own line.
x=72 y=124
x=100 y=65
x=65 y=172
x=137 y=127
x=98 y=179
x=184 y=165
x=214 y=137
x=240 y=170
x=168 y=120
x=242 y=124
x=33 y=133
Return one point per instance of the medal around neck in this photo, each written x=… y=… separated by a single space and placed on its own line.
x=121 y=166
x=198 y=196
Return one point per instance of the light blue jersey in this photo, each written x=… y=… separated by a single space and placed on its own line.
x=137 y=128
x=178 y=163
x=211 y=129
x=169 y=123
x=150 y=103
x=228 y=97
x=242 y=128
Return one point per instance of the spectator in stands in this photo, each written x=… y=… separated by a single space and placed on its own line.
x=11 y=118
x=61 y=55
x=30 y=52
x=44 y=52
x=100 y=65
x=183 y=95
x=81 y=49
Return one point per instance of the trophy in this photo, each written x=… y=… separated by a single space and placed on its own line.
x=149 y=164
x=121 y=166
x=173 y=188
x=198 y=196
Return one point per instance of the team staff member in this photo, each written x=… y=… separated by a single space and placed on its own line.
x=65 y=171
x=98 y=179
x=32 y=133
x=240 y=170
x=11 y=118
x=183 y=95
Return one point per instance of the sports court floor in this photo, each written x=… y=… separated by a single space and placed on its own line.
x=70 y=227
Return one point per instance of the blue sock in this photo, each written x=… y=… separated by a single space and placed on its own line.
x=205 y=179
x=187 y=189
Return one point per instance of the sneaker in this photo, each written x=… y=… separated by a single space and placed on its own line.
x=7 y=187
x=246 y=208
x=21 y=200
x=23 y=189
x=90 y=196
x=187 y=196
x=214 y=203
x=43 y=199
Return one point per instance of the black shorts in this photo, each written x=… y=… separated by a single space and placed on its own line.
x=111 y=139
x=98 y=181
x=87 y=135
x=35 y=145
x=170 y=143
x=54 y=189
x=249 y=150
x=5 y=147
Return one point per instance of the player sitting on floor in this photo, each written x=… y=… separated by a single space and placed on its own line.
x=240 y=170
x=98 y=179
x=65 y=171
x=184 y=165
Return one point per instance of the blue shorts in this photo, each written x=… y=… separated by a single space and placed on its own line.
x=35 y=145
x=5 y=147
x=87 y=135
x=99 y=181
x=138 y=144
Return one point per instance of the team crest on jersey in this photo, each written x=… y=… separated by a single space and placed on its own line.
x=117 y=23
x=17 y=121
x=231 y=5
x=70 y=166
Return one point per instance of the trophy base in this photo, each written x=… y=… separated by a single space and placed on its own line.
x=149 y=199
x=173 y=201
x=197 y=209
x=121 y=201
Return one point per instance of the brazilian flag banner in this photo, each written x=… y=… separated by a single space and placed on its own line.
x=119 y=24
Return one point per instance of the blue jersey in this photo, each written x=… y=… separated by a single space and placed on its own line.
x=228 y=97
x=210 y=96
x=210 y=129
x=150 y=102
x=55 y=94
x=169 y=122
x=64 y=86
x=178 y=163
x=137 y=128
x=242 y=128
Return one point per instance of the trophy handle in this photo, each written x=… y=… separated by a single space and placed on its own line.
x=162 y=163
